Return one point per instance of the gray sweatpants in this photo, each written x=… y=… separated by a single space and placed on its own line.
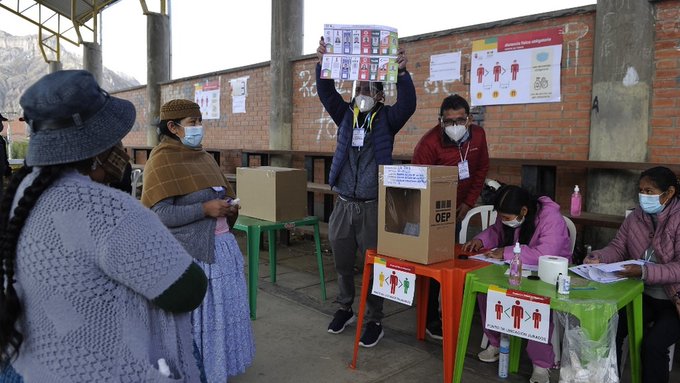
x=354 y=226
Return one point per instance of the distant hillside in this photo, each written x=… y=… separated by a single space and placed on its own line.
x=21 y=64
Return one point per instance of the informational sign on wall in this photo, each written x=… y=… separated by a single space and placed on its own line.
x=239 y=93
x=207 y=96
x=360 y=52
x=516 y=69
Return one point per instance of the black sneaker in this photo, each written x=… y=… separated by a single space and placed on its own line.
x=372 y=335
x=341 y=319
x=434 y=330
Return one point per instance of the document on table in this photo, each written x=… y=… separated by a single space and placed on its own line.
x=485 y=258
x=603 y=272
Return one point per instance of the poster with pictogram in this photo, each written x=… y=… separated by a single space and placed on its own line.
x=393 y=281
x=518 y=313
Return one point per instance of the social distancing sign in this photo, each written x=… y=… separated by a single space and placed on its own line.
x=518 y=313
x=393 y=281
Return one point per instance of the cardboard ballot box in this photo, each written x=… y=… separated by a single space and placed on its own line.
x=272 y=193
x=417 y=212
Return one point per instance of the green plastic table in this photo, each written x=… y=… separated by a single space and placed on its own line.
x=253 y=227
x=580 y=303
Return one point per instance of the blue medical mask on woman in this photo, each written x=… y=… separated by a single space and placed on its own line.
x=193 y=135
x=651 y=203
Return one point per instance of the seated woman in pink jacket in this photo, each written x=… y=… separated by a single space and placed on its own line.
x=652 y=233
x=538 y=225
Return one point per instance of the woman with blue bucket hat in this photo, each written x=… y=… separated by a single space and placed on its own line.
x=96 y=289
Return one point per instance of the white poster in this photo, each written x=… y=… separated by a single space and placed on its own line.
x=207 y=96
x=445 y=67
x=238 y=104
x=393 y=281
x=516 y=69
x=518 y=313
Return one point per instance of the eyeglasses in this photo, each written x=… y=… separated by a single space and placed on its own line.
x=458 y=121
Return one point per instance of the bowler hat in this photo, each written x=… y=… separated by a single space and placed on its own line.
x=72 y=119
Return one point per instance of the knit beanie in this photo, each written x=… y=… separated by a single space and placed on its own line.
x=178 y=109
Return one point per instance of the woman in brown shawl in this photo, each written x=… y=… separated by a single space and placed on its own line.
x=186 y=188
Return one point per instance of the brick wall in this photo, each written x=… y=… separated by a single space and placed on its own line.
x=664 y=144
x=547 y=131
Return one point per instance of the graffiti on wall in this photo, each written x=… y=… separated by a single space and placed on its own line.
x=573 y=33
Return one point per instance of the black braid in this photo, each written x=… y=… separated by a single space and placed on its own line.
x=10 y=307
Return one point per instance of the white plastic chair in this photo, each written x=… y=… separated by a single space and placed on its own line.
x=487 y=216
x=572 y=232
x=136 y=176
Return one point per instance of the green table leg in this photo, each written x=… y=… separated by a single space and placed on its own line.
x=271 y=237
x=515 y=352
x=469 y=299
x=634 y=313
x=253 y=267
x=319 y=260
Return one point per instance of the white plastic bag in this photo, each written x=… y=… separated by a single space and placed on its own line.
x=585 y=360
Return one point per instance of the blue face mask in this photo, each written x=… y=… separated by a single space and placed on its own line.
x=193 y=135
x=651 y=203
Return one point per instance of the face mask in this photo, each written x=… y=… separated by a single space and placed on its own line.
x=651 y=203
x=513 y=223
x=193 y=135
x=115 y=163
x=365 y=103
x=455 y=132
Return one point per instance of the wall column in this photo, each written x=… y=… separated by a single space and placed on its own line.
x=286 y=44
x=92 y=60
x=621 y=96
x=158 y=68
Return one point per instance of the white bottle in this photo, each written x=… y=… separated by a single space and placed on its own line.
x=516 y=266
x=504 y=356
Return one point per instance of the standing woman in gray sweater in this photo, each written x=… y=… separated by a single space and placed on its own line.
x=93 y=287
x=186 y=188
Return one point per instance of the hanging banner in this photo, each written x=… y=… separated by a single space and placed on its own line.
x=518 y=313
x=360 y=52
x=393 y=281
x=516 y=69
x=207 y=96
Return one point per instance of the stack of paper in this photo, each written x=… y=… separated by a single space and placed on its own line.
x=604 y=272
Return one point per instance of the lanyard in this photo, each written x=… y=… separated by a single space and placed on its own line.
x=460 y=152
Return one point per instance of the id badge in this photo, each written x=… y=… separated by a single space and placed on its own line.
x=358 y=136
x=463 y=170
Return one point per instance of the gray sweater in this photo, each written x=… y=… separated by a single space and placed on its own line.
x=184 y=217
x=90 y=259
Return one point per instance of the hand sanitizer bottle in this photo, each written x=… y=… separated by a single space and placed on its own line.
x=504 y=356
x=575 y=202
x=516 y=266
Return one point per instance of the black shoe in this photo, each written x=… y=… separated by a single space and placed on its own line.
x=372 y=335
x=341 y=319
x=434 y=330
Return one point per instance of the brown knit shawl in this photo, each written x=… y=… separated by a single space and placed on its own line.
x=174 y=169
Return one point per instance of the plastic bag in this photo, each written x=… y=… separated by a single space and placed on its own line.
x=585 y=360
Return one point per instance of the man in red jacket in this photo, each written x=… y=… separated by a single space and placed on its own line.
x=455 y=141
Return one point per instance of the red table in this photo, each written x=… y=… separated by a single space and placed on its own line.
x=451 y=276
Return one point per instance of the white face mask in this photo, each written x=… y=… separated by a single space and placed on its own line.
x=513 y=223
x=193 y=135
x=455 y=132
x=365 y=103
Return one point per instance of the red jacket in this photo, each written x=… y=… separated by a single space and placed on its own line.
x=435 y=148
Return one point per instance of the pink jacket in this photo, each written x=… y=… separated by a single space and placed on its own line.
x=550 y=238
x=637 y=234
